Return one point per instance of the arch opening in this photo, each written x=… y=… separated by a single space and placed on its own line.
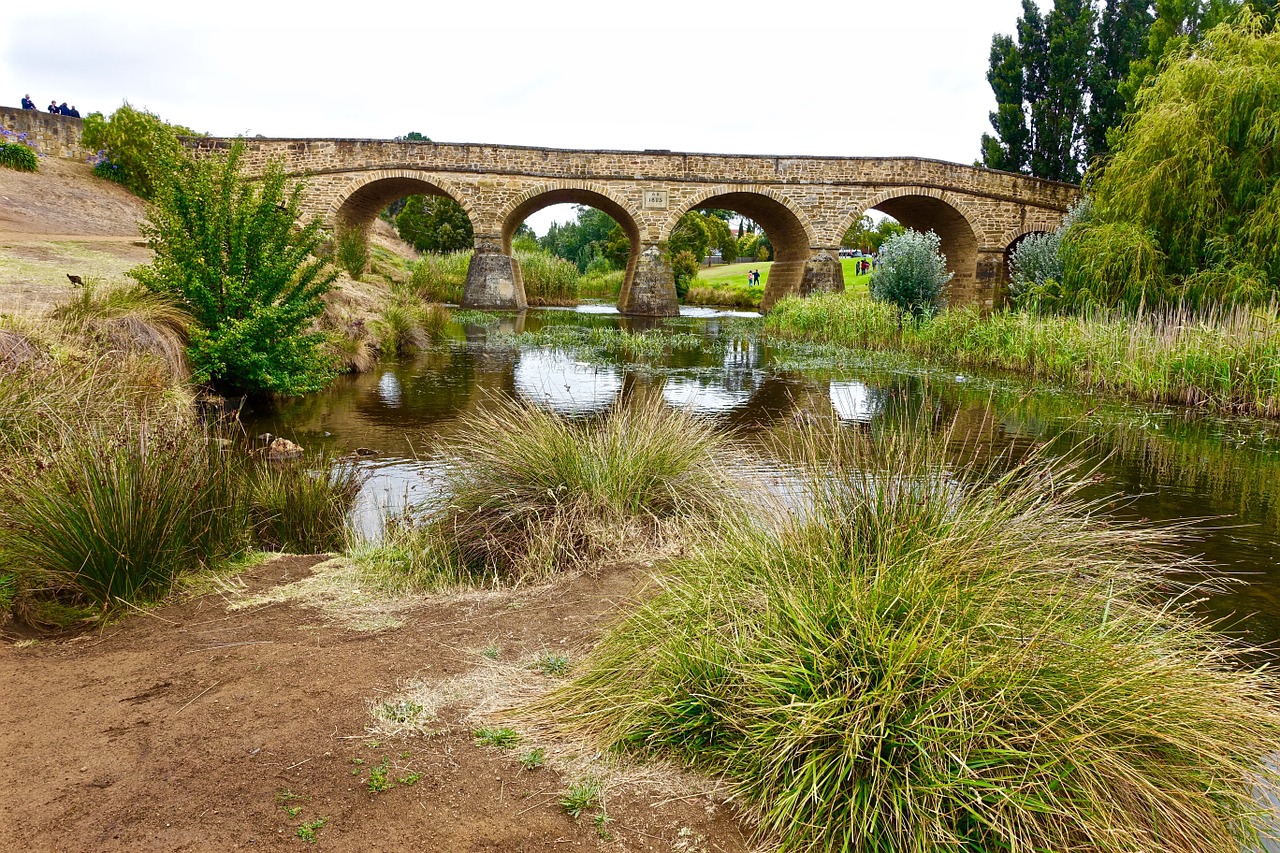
x=361 y=206
x=610 y=262
x=787 y=237
x=958 y=237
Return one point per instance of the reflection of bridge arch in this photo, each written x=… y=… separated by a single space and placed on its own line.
x=369 y=193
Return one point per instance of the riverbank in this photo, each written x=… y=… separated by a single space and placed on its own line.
x=1228 y=361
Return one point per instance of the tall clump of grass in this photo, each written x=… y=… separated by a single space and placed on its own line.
x=535 y=493
x=407 y=326
x=302 y=507
x=117 y=515
x=922 y=660
x=128 y=319
x=440 y=278
x=548 y=280
x=601 y=284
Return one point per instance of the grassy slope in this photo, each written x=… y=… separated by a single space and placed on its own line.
x=727 y=284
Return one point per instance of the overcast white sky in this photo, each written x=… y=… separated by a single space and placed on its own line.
x=838 y=77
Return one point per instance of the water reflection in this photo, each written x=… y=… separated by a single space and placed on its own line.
x=553 y=379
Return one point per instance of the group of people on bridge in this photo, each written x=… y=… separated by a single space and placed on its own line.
x=58 y=109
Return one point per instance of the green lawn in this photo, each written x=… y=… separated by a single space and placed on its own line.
x=727 y=284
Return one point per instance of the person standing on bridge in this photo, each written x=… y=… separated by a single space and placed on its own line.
x=53 y=106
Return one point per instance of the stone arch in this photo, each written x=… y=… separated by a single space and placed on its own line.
x=930 y=209
x=1040 y=225
x=568 y=192
x=785 y=223
x=368 y=194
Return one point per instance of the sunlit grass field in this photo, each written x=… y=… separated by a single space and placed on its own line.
x=727 y=284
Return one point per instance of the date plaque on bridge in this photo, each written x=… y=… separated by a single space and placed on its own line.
x=655 y=200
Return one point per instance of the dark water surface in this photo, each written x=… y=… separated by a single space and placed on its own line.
x=1171 y=463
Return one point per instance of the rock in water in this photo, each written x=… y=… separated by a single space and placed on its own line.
x=281 y=449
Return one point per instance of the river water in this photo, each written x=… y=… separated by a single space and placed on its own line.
x=1168 y=462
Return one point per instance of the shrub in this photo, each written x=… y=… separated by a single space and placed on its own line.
x=135 y=148
x=352 y=251
x=910 y=273
x=436 y=224
x=940 y=658
x=16 y=152
x=535 y=493
x=302 y=507
x=232 y=253
x=684 y=267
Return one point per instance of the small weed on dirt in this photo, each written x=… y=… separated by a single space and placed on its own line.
x=533 y=759
x=502 y=738
x=308 y=831
x=553 y=664
x=579 y=797
x=380 y=777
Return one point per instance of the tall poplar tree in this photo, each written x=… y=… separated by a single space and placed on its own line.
x=1123 y=29
x=1040 y=113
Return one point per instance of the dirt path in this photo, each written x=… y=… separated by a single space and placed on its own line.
x=181 y=729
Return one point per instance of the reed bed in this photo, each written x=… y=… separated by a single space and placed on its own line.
x=548 y=280
x=931 y=657
x=1226 y=360
x=440 y=278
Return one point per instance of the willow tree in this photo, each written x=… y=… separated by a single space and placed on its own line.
x=1188 y=208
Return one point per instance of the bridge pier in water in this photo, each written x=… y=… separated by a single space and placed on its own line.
x=494 y=280
x=650 y=286
x=821 y=273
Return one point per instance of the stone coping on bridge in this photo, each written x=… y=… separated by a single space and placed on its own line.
x=226 y=141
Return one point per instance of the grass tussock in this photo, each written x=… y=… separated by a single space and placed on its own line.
x=929 y=659
x=302 y=507
x=407 y=326
x=128 y=319
x=534 y=493
x=1227 y=360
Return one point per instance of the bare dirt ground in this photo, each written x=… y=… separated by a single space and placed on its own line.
x=200 y=727
x=62 y=220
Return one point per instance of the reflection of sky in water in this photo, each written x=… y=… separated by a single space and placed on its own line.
x=702 y=396
x=853 y=402
x=389 y=390
x=391 y=485
x=553 y=379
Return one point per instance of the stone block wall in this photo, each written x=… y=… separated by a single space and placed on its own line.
x=54 y=135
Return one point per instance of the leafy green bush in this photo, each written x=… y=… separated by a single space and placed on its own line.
x=135 y=148
x=684 y=268
x=436 y=224
x=910 y=273
x=231 y=251
x=15 y=153
x=934 y=656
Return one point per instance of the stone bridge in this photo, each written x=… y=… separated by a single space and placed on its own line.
x=804 y=204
